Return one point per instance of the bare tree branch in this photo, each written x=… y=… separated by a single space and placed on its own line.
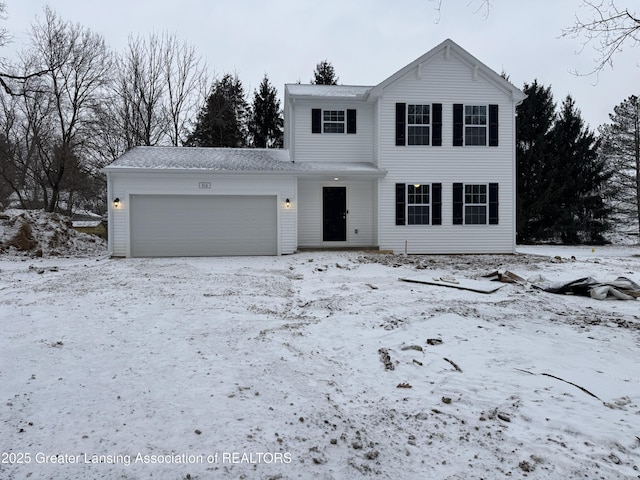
x=608 y=30
x=483 y=5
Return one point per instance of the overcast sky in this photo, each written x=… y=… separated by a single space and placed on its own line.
x=365 y=40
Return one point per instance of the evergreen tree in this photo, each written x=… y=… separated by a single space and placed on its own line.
x=266 y=123
x=222 y=121
x=579 y=213
x=534 y=122
x=561 y=179
x=324 y=74
x=621 y=151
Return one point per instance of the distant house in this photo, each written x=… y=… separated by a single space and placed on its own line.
x=91 y=223
x=423 y=162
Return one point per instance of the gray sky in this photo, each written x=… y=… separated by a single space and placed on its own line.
x=365 y=40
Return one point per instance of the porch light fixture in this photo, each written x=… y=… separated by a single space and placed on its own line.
x=336 y=178
x=417 y=185
x=116 y=202
x=287 y=203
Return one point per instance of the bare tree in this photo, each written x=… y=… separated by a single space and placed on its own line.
x=159 y=86
x=187 y=86
x=607 y=29
x=59 y=106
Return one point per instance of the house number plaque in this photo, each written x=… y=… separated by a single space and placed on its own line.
x=204 y=185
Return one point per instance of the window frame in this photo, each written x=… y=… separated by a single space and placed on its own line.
x=409 y=205
x=336 y=122
x=418 y=125
x=475 y=204
x=402 y=192
x=467 y=126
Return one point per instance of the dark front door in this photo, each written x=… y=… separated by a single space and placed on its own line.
x=334 y=214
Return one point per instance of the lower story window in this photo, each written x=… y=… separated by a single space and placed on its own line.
x=418 y=204
x=475 y=204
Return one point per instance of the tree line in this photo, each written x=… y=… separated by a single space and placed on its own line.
x=574 y=186
x=70 y=106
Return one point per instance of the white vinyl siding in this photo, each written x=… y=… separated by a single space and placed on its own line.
x=449 y=82
x=309 y=147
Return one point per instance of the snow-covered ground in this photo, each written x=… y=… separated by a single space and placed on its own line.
x=319 y=365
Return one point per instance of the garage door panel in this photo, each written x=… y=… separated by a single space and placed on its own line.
x=192 y=225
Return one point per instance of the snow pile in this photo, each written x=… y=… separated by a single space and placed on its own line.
x=36 y=233
x=319 y=365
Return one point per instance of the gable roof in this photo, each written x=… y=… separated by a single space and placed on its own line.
x=232 y=160
x=447 y=49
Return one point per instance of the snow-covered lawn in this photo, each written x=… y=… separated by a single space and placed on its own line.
x=319 y=365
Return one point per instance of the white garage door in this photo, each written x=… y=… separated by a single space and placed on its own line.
x=203 y=225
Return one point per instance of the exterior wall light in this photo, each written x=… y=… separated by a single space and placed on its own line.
x=116 y=203
x=287 y=203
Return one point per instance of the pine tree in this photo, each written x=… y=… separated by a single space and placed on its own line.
x=324 y=74
x=222 y=121
x=579 y=213
x=266 y=123
x=561 y=179
x=621 y=151
x=534 y=122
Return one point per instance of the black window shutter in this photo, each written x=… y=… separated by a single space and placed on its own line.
x=458 y=205
x=493 y=125
x=401 y=109
x=436 y=204
x=351 y=121
x=316 y=120
x=493 y=204
x=458 y=124
x=436 y=125
x=400 y=204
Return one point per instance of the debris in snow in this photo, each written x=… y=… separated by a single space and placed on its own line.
x=562 y=380
x=462 y=284
x=37 y=233
x=621 y=288
x=418 y=348
x=404 y=385
x=505 y=277
x=434 y=341
x=454 y=364
x=385 y=358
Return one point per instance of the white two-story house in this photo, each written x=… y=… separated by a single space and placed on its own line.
x=422 y=163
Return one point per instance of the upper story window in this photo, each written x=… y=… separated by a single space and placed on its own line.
x=475 y=124
x=418 y=122
x=333 y=121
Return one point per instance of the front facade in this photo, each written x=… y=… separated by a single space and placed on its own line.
x=423 y=162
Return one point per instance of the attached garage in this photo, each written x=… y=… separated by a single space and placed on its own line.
x=200 y=202
x=203 y=225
